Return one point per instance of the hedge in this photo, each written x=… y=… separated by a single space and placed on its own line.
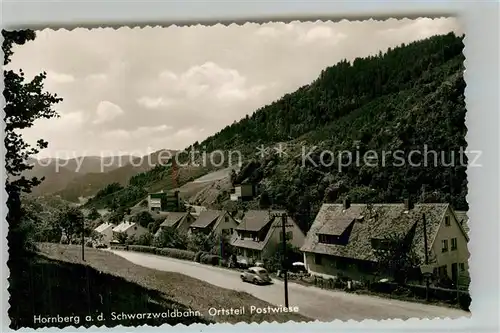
x=142 y=248
x=167 y=252
x=176 y=253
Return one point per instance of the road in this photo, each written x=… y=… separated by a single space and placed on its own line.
x=315 y=303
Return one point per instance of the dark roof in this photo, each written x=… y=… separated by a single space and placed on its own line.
x=172 y=218
x=256 y=245
x=254 y=220
x=378 y=222
x=337 y=227
x=463 y=219
x=206 y=218
x=159 y=215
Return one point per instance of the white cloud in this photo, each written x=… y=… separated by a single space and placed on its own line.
x=117 y=134
x=321 y=34
x=140 y=132
x=107 y=111
x=96 y=77
x=151 y=130
x=155 y=103
x=59 y=77
x=208 y=80
x=419 y=29
x=268 y=32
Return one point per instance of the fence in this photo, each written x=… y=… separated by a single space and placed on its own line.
x=451 y=296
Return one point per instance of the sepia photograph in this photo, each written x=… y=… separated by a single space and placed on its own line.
x=268 y=172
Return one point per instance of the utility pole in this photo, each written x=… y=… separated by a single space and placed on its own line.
x=83 y=239
x=426 y=258
x=221 y=248
x=284 y=219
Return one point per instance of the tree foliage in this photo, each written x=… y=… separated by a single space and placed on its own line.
x=144 y=218
x=397 y=259
x=71 y=222
x=171 y=238
x=25 y=102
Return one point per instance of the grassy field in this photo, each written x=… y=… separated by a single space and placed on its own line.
x=45 y=288
x=177 y=288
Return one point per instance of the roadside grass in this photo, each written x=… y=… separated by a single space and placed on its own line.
x=190 y=292
x=40 y=287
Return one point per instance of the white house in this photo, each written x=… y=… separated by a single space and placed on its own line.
x=131 y=229
x=106 y=232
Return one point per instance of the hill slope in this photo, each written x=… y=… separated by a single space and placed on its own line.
x=410 y=98
x=90 y=183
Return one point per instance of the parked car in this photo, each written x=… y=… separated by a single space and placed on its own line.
x=256 y=275
x=101 y=246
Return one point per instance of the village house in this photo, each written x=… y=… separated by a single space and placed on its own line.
x=344 y=238
x=215 y=222
x=164 y=201
x=244 y=191
x=180 y=221
x=131 y=229
x=259 y=235
x=105 y=230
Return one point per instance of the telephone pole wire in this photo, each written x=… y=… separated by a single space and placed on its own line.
x=284 y=219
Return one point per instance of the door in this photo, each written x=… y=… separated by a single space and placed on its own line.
x=454 y=272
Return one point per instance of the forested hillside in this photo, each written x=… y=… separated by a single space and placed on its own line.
x=406 y=99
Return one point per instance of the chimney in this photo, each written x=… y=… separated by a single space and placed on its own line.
x=408 y=204
x=347 y=203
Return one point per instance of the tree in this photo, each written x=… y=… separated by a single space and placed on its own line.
x=397 y=259
x=201 y=242
x=264 y=200
x=25 y=102
x=94 y=214
x=144 y=218
x=121 y=237
x=71 y=221
x=171 y=238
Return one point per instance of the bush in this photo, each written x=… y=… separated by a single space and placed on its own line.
x=464 y=301
x=176 y=253
x=210 y=259
x=197 y=256
x=142 y=248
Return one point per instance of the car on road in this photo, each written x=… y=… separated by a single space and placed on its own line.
x=256 y=275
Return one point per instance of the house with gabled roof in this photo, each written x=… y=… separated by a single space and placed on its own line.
x=344 y=238
x=259 y=235
x=180 y=221
x=105 y=230
x=131 y=229
x=213 y=222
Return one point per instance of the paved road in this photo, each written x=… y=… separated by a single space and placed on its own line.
x=316 y=303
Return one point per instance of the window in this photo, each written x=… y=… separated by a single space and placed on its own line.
x=135 y=228
x=447 y=221
x=317 y=259
x=462 y=267
x=289 y=235
x=453 y=244
x=226 y=218
x=231 y=230
x=445 y=245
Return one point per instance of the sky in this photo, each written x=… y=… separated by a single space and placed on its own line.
x=134 y=91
